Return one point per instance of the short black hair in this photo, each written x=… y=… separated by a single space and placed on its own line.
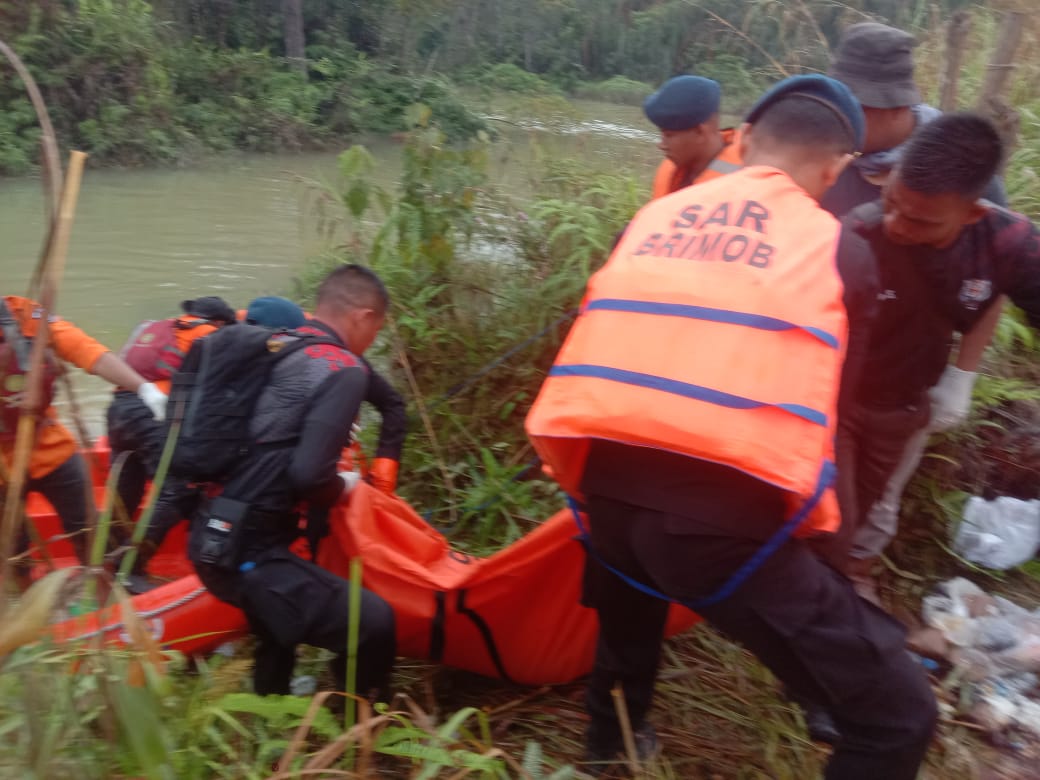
x=353 y=286
x=797 y=120
x=958 y=153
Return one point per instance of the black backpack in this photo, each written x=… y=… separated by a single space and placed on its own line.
x=215 y=392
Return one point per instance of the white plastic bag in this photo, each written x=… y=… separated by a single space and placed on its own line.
x=999 y=534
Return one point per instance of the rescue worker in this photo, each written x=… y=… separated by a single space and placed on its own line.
x=693 y=408
x=945 y=256
x=876 y=63
x=275 y=312
x=56 y=469
x=281 y=313
x=311 y=398
x=156 y=349
x=686 y=111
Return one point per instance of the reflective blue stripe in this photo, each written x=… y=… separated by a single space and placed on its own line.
x=675 y=387
x=723 y=166
x=749 y=567
x=757 y=321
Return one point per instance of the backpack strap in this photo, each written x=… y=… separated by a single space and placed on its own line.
x=13 y=335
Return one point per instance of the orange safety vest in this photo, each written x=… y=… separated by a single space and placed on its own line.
x=156 y=348
x=715 y=330
x=669 y=178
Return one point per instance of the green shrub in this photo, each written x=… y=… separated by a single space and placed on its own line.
x=510 y=78
x=481 y=297
x=617 y=89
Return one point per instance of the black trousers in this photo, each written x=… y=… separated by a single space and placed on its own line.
x=869 y=446
x=132 y=429
x=800 y=618
x=68 y=489
x=290 y=601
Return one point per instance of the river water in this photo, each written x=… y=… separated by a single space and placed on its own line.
x=239 y=226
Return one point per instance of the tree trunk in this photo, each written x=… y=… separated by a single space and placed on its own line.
x=999 y=70
x=956 y=34
x=998 y=73
x=294 y=41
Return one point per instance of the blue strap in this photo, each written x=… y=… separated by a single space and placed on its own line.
x=757 y=321
x=827 y=473
x=685 y=389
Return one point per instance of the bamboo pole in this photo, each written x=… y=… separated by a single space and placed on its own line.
x=53 y=268
x=51 y=162
x=53 y=183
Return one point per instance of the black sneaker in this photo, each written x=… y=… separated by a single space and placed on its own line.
x=136 y=584
x=820 y=725
x=604 y=755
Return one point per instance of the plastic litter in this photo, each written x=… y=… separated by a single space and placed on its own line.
x=999 y=534
x=304 y=685
x=994 y=649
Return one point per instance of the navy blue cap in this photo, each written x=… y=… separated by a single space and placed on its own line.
x=274 y=312
x=830 y=92
x=683 y=102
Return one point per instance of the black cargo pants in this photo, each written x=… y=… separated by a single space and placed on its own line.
x=800 y=618
x=132 y=429
x=290 y=601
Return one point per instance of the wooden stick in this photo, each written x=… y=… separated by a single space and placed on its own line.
x=54 y=267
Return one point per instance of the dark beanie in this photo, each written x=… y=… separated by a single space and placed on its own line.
x=823 y=89
x=683 y=102
x=209 y=307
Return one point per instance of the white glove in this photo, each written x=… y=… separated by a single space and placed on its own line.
x=154 y=398
x=951 y=398
x=350 y=481
x=355 y=431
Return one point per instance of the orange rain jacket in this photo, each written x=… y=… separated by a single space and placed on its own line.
x=715 y=330
x=54 y=443
x=669 y=178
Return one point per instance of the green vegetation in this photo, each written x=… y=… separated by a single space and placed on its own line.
x=159 y=81
x=89 y=713
x=454 y=312
x=482 y=289
x=123 y=86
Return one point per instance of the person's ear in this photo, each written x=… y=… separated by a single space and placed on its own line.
x=745 y=140
x=834 y=168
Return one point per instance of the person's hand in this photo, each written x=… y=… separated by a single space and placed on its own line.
x=350 y=481
x=951 y=398
x=383 y=475
x=154 y=398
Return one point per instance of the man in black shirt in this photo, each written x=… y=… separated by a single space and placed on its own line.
x=876 y=63
x=311 y=399
x=945 y=258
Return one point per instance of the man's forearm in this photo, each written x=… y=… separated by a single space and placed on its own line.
x=114 y=370
x=975 y=341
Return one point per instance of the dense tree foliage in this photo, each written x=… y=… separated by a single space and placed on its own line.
x=137 y=81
